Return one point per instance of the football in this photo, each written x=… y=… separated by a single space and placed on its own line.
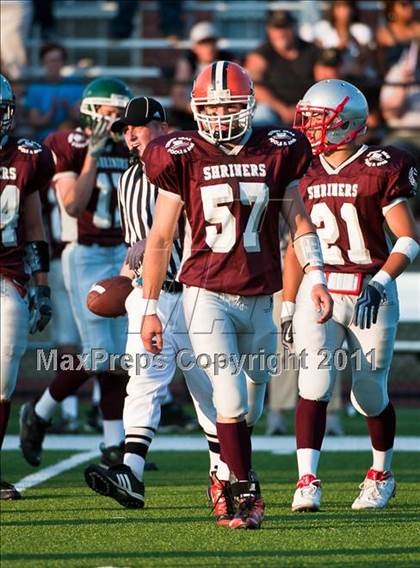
x=107 y=297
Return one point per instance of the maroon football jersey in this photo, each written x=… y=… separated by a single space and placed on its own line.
x=232 y=203
x=348 y=205
x=100 y=223
x=25 y=167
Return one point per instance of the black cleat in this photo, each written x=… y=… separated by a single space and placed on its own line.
x=117 y=482
x=32 y=433
x=8 y=492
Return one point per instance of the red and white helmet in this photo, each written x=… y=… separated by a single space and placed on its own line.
x=331 y=113
x=223 y=83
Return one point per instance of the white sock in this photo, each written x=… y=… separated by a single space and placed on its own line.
x=382 y=460
x=113 y=432
x=223 y=471
x=308 y=460
x=46 y=406
x=70 y=407
x=136 y=464
x=214 y=461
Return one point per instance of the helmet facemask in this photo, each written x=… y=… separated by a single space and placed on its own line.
x=90 y=105
x=216 y=128
x=324 y=127
x=7 y=112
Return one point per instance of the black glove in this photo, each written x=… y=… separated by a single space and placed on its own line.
x=40 y=309
x=135 y=254
x=99 y=137
x=287 y=333
x=367 y=305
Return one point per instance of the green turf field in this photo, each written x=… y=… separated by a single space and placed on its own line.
x=62 y=523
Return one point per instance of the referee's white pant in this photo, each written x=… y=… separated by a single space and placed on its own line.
x=233 y=336
x=150 y=375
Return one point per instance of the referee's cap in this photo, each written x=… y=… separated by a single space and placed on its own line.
x=138 y=112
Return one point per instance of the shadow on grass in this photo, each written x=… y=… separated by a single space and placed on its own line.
x=380 y=554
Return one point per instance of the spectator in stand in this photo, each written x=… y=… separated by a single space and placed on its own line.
x=282 y=69
x=15 y=23
x=400 y=105
x=400 y=29
x=328 y=65
x=342 y=30
x=54 y=102
x=204 y=50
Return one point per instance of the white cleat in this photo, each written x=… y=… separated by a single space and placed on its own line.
x=376 y=490
x=308 y=494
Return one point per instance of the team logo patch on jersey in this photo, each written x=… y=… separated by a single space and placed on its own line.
x=412 y=177
x=282 y=137
x=377 y=158
x=77 y=139
x=179 y=145
x=28 y=146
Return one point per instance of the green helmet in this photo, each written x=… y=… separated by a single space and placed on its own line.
x=102 y=91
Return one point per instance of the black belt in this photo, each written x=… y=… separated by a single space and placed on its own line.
x=172 y=286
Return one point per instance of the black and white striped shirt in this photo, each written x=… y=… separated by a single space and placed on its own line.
x=137 y=202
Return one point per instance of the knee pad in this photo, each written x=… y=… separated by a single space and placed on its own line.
x=316 y=386
x=369 y=401
x=230 y=404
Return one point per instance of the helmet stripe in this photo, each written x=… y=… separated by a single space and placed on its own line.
x=224 y=74
x=220 y=70
x=213 y=75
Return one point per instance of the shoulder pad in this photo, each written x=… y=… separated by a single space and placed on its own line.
x=179 y=145
x=282 y=137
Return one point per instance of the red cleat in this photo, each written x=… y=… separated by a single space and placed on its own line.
x=220 y=494
x=250 y=513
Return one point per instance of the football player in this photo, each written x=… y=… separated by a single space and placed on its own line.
x=26 y=168
x=145 y=120
x=232 y=181
x=350 y=191
x=88 y=165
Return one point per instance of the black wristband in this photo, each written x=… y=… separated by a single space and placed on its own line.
x=37 y=255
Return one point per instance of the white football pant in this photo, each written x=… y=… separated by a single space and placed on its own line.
x=63 y=325
x=370 y=350
x=13 y=336
x=150 y=375
x=232 y=336
x=83 y=266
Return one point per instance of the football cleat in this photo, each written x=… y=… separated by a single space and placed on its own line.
x=32 y=433
x=376 y=490
x=221 y=498
x=112 y=455
x=117 y=482
x=307 y=496
x=250 y=513
x=250 y=506
x=8 y=492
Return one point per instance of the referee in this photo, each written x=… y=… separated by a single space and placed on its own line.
x=144 y=120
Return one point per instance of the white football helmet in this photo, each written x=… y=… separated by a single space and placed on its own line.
x=331 y=113
x=7 y=106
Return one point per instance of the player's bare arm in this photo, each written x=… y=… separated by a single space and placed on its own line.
x=155 y=265
x=402 y=224
x=307 y=249
x=75 y=192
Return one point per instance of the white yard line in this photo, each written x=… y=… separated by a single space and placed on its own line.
x=55 y=469
x=275 y=444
